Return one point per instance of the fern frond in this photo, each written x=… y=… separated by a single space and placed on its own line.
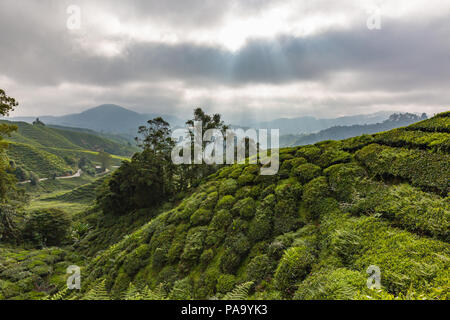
x=240 y=292
x=98 y=292
x=60 y=295
x=132 y=293
x=157 y=294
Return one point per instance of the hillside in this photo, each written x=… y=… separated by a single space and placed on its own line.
x=344 y=132
x=47 y=151
x=310 y=232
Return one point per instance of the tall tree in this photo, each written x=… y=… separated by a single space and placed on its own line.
x=7 y=180
x=195 y=172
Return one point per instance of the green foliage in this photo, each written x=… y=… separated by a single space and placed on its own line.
x=239 y=293
x=201 y=216
x=228 y=186
x=332 y=156
x=439 y=123
x=245 y=208
x=306 y=172
x=438 y=141
x=225 y=283
x=417 y=211
x=344 y=179
x=294 y=266
x=194 y=244
x=128 y=187
x=339 y=284
x=9 y=231
x=308 y=241
x=98 y=292
x=226 y=202
x=311 y=153
x=260 y=268
x=421 y=168
x=47 y=227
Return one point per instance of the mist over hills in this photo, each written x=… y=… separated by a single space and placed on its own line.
x=308 y=124
x=115 y=119
x=340 y=132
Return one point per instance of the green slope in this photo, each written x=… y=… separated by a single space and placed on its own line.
x=47 y=151
x=47 y=136
x=310 y=232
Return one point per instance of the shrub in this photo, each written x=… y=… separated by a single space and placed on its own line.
x=333 y=156
x=226 y=202
x=206 y=257
x=259 y=268
x=182 y=290
x=177 y=246
x=210 y=201
x=229 y=262
x=47 y=226
x=294 y=266
x=159 y=258
x=314 y=194
x=201 y=216
x=221 y=220
x=260 y=228
x=289 y=189
x=238 y=243
x=194 y=244
x=138 y=258
x=421 y=168
x=245 y=208
x=225 y=283
x=246 y=178
x=228 y=186
x=306 y=172
x=343 y=180
x=286 y=216
x=311 y=153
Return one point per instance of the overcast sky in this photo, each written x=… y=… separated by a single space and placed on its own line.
x=258 y=59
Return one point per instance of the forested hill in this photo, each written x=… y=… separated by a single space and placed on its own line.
x=310 y=232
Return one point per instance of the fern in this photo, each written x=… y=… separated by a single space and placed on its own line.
x=240 y=292
x=98 y=292
x=157 y=294
x=60 y=295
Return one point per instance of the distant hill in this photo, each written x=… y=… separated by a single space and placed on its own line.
x=396 y=120
x=106 y=118
x=305 y=125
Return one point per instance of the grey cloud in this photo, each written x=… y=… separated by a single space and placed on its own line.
x=402 y=57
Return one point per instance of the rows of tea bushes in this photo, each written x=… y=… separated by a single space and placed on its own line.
x=310 y=232
x=33 y=274
x=439 y=123
x=429 y=170
x=438 y=141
